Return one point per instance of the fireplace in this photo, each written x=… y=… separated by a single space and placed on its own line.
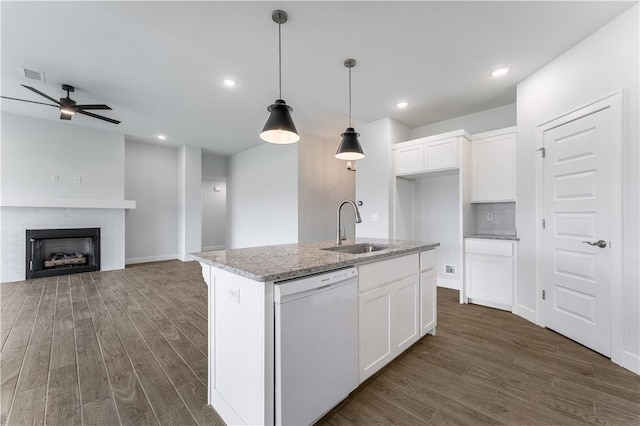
x=52 y=252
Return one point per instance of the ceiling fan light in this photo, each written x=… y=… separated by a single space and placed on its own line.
x=279 y=128
x=67 y=111
x=350 y=148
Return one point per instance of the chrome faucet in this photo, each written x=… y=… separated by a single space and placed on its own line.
x=358 y=219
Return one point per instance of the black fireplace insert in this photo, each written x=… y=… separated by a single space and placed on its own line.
x=52 y=252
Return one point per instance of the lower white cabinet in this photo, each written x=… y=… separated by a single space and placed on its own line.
x=490 y=272
x=396 y=306
x=428 y=302
x=388 y=323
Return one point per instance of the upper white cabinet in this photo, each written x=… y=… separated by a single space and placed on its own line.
x=440 y=155
x=493 y=166
x=409 y=159
x=430 y=154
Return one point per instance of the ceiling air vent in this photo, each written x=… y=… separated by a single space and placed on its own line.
x=34 y=75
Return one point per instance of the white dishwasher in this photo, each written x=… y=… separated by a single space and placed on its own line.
x=316 y=339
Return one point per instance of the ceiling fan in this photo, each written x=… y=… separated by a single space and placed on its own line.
x=67 y=106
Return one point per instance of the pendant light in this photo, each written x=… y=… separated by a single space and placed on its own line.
x=349 y=148
x=279 y=128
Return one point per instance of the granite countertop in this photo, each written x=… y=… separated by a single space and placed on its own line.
x=281 y=262
x=494 y=237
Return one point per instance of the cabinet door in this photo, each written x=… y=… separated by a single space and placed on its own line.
x=376 y=312
x=489 y=280
x=409 y=160
x=428 y=302
x=493 y=168
x=442 y=154
x=406 y=324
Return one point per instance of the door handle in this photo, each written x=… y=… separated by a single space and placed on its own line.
x=600 y=243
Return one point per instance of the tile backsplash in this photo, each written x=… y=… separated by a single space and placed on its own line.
x=503 y=215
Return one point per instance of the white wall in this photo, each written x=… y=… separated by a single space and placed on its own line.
x=601 y=64
x=34 y=150
x=437 y=218
x=214 y=214
x=214 y=203
x=214 y=166
x=323 y=182
x=482 y=121
x=151 y=178
x=262 y=196
x=189 y=201
x=375 y=176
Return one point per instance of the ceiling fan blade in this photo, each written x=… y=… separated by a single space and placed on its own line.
x=110 y=120
x=97 y=106
x=65 y=116
x=24 y=100
x=40 y=93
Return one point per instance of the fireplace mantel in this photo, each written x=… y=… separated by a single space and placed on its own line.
x=70 y=203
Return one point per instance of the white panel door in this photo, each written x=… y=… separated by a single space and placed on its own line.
x=577 y=214
x=407 y=312
x=376 y=312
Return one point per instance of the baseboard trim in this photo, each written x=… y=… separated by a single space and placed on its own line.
x=454 y=285
x=147 y=259
x=526 y=313
x=212 y=248
x=631 y=362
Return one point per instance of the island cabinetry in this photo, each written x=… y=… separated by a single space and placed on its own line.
x=493 y=166
x=388 y=311
x=428 y=299
x=396 y=307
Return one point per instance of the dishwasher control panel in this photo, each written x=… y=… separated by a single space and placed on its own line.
x=316 y=282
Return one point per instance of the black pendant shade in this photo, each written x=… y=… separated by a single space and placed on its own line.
x=349 y=148
x=279 y=128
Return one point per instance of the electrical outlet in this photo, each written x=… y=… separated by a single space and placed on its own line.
x=234 y=294
x=489 y=217
x=78 y=179
x=375 y=217
x=450 y=269
x=55 y=178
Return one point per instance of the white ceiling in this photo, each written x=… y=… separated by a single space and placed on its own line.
x=160 y=65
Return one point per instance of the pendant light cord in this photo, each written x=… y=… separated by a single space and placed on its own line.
x=350 y=97
x=279 y=62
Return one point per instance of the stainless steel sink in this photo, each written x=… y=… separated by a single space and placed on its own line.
x=357 y=248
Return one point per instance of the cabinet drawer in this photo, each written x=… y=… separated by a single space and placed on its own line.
x=427 y=260
x=490 y=247
x=376 y=274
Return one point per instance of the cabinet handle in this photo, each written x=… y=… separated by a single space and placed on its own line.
x=599 y=243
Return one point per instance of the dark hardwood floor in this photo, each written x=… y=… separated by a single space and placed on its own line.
x=130 y=347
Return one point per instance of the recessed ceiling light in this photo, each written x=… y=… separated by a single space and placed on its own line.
x=229 y=83
x=500 y=71
x=162 y=137
x=402 y=104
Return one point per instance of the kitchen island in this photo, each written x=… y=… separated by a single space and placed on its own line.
x=395 y=307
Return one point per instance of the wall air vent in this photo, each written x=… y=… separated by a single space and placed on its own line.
x=34 y=75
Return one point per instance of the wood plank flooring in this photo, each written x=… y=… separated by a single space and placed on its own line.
x=130 y=347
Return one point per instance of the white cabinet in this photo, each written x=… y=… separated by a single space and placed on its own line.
x=440 y=155
x=493 y=166
x=428 y=292
x=389 y=311
x=429 y=154
x=409 y=159
x=490 y=272
x=396 y=307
